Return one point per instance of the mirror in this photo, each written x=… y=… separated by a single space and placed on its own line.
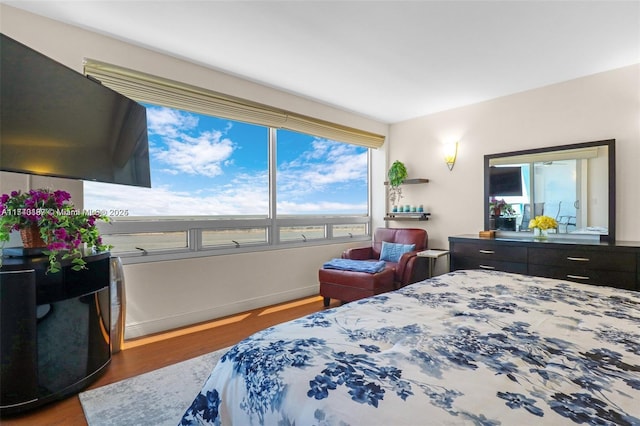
x=574 y=184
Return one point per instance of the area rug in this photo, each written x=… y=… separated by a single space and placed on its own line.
x=159 y=397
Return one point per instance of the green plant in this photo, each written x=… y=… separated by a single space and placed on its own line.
x=397 y=174
x=63 y=227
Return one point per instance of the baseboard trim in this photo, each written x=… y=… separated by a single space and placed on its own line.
x=141 y=329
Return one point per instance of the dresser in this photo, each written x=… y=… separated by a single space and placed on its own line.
x=584 y=261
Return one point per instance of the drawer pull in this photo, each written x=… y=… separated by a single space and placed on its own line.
x=577 y=277
x=578 y=259
x=486 y=251
x=486 y=267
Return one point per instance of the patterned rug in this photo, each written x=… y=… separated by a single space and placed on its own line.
x=159 y=397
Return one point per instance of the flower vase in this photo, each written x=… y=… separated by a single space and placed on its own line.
x=540 y=234
x=31 y=237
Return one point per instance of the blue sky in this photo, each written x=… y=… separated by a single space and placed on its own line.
x=201 y=165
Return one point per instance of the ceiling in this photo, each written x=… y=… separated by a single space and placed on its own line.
x=387 y=60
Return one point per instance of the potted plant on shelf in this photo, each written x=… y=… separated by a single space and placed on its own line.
x=60 y=229
x=397 y=174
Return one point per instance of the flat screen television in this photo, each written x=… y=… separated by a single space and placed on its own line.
x=57 y=122
x=505 y=181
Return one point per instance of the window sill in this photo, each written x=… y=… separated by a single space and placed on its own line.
x=131 y=258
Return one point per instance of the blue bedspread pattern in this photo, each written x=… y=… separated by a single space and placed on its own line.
x=470 y=347
x=368 y=266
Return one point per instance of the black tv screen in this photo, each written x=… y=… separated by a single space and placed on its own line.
x=505 y=181
x=57 y=122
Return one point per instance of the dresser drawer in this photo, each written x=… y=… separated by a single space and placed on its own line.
x=488 y=264
x=491 y=252
x=618 y=279
x=584 y=259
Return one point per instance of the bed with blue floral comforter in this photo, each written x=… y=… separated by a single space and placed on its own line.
x=469 y=347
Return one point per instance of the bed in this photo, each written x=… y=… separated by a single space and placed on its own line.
x=469 y=347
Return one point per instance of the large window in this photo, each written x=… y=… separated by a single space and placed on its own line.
x=320 y=176
x=219 y=185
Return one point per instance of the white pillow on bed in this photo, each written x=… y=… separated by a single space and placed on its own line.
x=392 y=252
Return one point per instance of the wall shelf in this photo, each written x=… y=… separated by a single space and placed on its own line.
x=407 y=216
x=412 y=181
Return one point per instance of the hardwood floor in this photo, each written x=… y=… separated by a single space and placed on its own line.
x=157 y=351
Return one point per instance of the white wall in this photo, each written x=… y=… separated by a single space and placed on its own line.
x=597 y=107
x=165 y=295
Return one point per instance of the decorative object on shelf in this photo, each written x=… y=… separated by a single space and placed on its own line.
x=450 y=154
x=408 y=212
x=541 y=226
x=397 y=174
x=63 y=229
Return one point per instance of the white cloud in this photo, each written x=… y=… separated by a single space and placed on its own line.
x=245 y=197
x=327 y=164
x=169 y=122
x=322 y=207
x=307 y=185
x=203 y=154
x=196 y=156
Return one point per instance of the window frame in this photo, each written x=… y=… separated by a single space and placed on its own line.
x=194 y=228
x=155 y=90
x=272 y=223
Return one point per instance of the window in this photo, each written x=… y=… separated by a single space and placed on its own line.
x=211 y=189
x=320 y=176
x=200 y=166
x=234 y=237
x=231 y=174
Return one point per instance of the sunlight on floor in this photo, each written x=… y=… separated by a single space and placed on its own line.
x=183 y=331
x=216 y=323
x=290 y=305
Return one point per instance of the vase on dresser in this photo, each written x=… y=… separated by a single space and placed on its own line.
x=540 y=234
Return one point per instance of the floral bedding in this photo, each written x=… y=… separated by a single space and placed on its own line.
x=469 y=347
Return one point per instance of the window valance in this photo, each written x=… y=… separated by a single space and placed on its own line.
x=147 y=88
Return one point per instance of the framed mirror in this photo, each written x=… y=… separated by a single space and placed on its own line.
x=574 y=184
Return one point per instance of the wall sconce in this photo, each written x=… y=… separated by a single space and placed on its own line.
x=450 y=153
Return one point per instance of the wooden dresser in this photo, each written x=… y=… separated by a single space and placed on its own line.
x=595 y=263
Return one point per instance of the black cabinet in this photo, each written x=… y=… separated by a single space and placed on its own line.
x=595 y=263
x=18 y=337
x=54 y=330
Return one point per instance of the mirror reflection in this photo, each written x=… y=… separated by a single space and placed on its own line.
x=570 y=185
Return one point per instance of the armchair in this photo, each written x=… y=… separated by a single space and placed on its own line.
x=347 y=286
x=410 y=268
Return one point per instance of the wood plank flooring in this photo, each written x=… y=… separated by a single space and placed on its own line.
x=150 y=353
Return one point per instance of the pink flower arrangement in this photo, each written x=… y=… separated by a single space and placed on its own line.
x=63 y=228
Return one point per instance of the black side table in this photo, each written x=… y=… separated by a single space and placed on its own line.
x=54 y=329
